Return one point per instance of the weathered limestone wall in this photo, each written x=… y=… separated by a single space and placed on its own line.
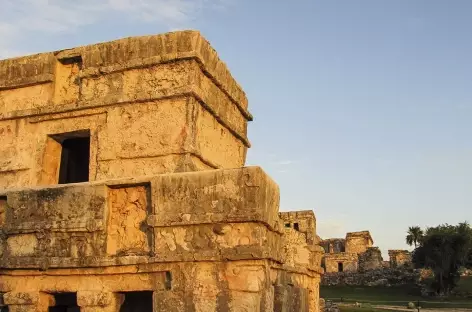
x=399 y=258
x=349 y=262
x=371 y=259
x=152 y=105
x=351 y=254
x=202 y=241
x=358 y=242
x=301 y=221
x=334 y=245
x=160 y=112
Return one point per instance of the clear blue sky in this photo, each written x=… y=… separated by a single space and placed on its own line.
x=362 y=108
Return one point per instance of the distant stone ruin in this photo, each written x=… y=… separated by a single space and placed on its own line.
x=350 y=254
x=399 y=258
x=123 y=187
x=354 y=261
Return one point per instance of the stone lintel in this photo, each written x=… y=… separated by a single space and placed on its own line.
x=99 y=299
x=28 y=301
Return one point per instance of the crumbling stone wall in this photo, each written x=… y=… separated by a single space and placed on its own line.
x=358 y=242
x=303 y=222
x=370 y=259
x=161 y=213
x=353 y=253
x=399 y=258
x=347 y=262
x=377 y=277
x=217 y=250
x=334 y=245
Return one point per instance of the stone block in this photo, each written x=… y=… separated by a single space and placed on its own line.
x=28 y=301
x=127 y=233
x=358 y=242
x=22 y=245
x=216 y=196
x=91 y=300
x=169 y=301
x=72 y=208
x=301 y=221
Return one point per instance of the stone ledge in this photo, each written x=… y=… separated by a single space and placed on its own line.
x=56 y=218
x=191 y=91
x=98 y=299
x=27 y=298
x=82 y=209
x=14 y=263
x=132 y=52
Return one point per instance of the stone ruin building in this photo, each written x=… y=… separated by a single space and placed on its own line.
x=354 y=261
x=356 y=253
x=399 y=258
x=351 y=254
x=123 y=187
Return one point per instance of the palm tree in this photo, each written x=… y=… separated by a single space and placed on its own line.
x=415 y=233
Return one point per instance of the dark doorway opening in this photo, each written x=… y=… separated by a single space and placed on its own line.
x=75 y=160
x=137 y=301
x=340 y=267
x=65 y=302
x=296 y=227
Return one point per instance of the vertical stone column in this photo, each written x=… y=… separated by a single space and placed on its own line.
x=169 y=301
x=96 y=301
x=28 y=301
x=2 y=303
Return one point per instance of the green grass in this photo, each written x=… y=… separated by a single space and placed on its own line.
x=371 y=293
x=363 y=309
x=393 y=296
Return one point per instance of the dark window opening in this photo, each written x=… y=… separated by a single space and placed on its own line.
x=287 y=225
x=340 y=267
x=3 y=204
x=296 y=227
x=137 y=301
x=168 y=283
x=77 y=59
x=75 y=159
x=65 y=302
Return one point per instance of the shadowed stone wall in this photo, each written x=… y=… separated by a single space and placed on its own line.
x=399 y=258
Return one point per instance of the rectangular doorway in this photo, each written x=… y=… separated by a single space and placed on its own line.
x=74 y=161
x=137 y=301
x=65 y=302
x=340 y=267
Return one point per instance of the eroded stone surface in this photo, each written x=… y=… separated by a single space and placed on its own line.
x=168 y=208
x=127 y=233
x=148 y=115
x=399 y=258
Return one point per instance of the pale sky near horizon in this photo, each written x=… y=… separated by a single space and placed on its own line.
x=362 y=108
